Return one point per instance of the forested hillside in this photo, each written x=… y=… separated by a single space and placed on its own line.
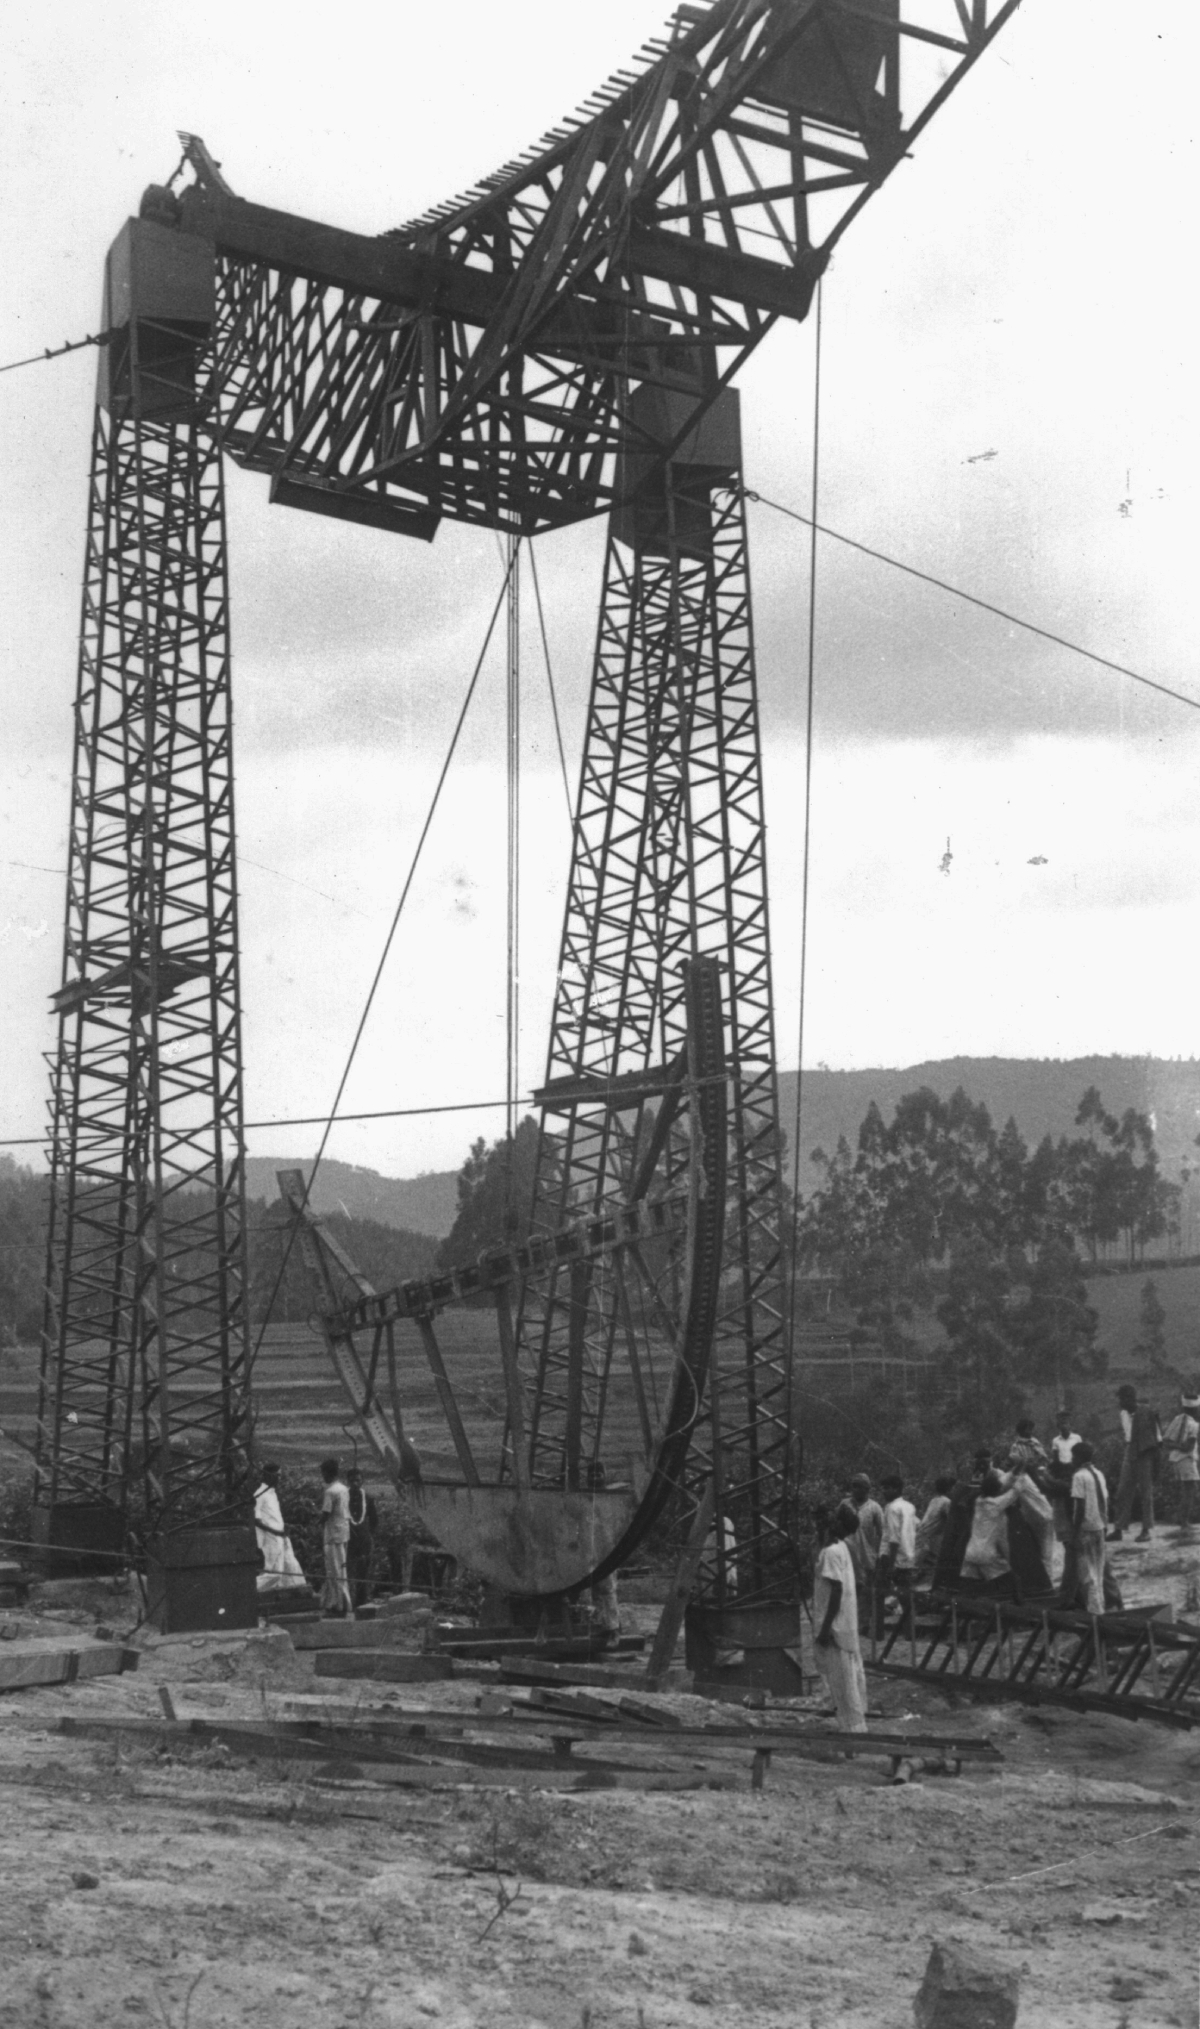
x=385 y=1254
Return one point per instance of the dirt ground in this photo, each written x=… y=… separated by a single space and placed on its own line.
x=231 y=1893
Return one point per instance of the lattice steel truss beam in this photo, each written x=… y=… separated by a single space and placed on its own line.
x=144 y=1372
x=473 y=363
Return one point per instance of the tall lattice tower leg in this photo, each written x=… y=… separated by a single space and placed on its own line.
x=144 y=1405
x=669 y=863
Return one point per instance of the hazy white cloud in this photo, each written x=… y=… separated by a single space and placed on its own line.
x=1016 y=288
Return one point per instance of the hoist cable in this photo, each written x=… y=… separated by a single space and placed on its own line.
x=808 y=759
x=562 y=758
x=970 y=599
x=383 y=957
x=512 y=745
x=58 y=351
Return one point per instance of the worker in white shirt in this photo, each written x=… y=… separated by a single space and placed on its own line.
x=1089 y=1513
x=898 y=1546
x=1062 y=1446
x=1183 y=1472
x=835 y=1624
x=987 y=1558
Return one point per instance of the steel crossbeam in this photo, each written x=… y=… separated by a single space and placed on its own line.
x=473 y=363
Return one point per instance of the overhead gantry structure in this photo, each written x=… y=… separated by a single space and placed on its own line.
x=560 y=342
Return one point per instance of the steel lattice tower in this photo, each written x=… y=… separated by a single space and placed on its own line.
x=669 y=863
x=144 y=1375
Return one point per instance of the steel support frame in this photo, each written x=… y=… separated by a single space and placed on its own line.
x=144 y=1372
x=669 y=863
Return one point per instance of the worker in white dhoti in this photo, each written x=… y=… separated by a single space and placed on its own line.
x=835 y=1624
x=280 y=1566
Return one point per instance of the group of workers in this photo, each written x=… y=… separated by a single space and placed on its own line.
x=349 y=1521
x=994 y=1529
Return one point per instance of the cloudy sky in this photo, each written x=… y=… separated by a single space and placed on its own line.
x=1008 y=401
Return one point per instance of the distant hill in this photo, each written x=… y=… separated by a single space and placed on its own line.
x=425 y=1204
x=1040 y=1093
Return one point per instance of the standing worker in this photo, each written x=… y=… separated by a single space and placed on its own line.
x=1062 y=1446
x=898 y=1545
x=360 y=1545
x=1182 y=1470
x=1139 y=1427
x=335 y=1511
x=864 y=1546
x=280 y=1566
x=835 y=1624
x=932 y=1525
x=1089 y=1512
x=987 y=1559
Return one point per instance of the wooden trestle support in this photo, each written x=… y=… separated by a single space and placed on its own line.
x=1133 y=1663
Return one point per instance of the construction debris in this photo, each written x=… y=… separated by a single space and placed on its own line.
x=1137 y=1663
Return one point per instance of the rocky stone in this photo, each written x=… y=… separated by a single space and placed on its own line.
x=963 y=1990
x=83 y=1878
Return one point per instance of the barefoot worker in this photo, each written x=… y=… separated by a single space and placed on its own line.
x=335 y=1509
x=835 y=1622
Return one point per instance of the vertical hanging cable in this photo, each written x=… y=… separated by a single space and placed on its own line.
x=513 y=955
x=808 y=757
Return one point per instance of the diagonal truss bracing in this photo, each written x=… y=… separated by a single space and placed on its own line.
x=668 y=864
x=144 y=1363
x=473 y=363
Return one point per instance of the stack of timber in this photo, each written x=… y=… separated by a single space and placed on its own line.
x=383 y=1647
x=549 y=1739
x=1134 y=1663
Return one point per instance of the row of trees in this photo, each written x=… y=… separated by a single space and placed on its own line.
x=938 y=1211
x=940 y=1171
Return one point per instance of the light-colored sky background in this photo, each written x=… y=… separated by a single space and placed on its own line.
x=1022 y=286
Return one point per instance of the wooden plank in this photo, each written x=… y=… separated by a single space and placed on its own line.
x=573 y=1705
x=435 y=1763
x=24 y=1664
x=514 y=1778
x=1044 y=1694
x=526 y=1670
x=681 y=1589
x=385 y=1632
x=393 y=1666
x=313 y=1715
